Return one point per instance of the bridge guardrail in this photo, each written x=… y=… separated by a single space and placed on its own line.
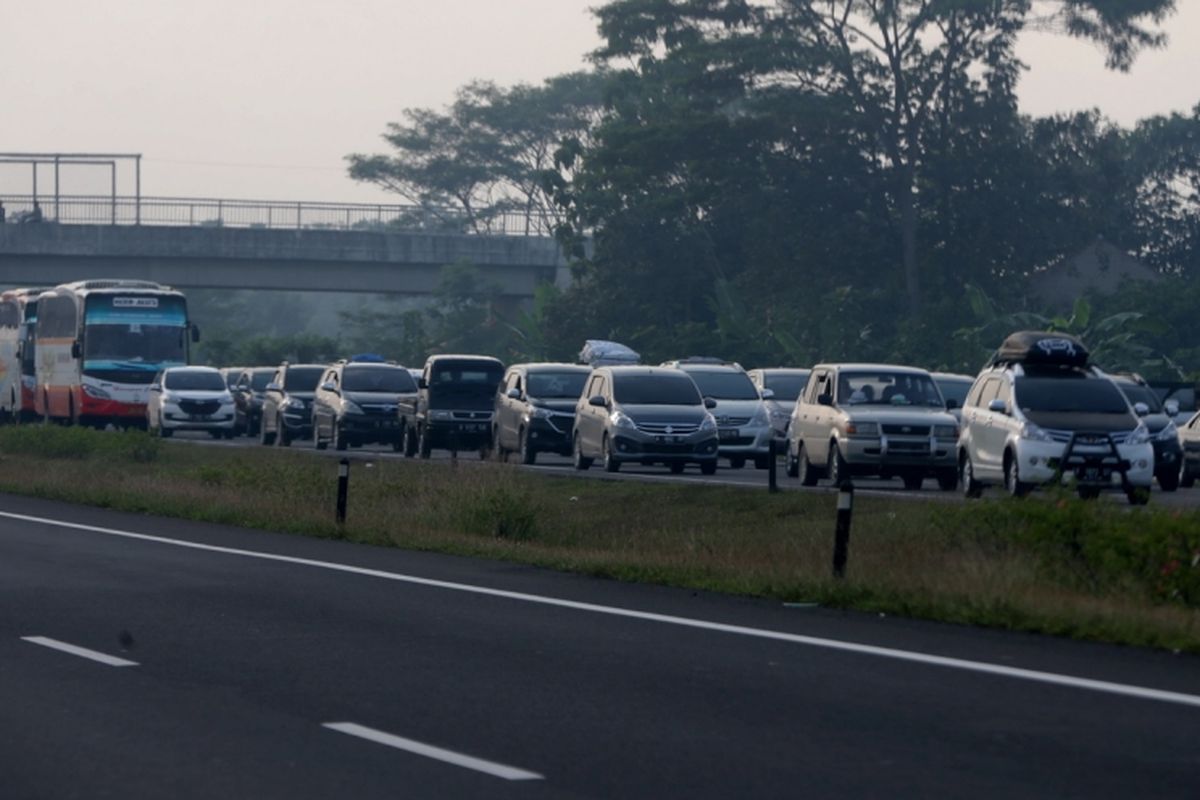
x=272 y=214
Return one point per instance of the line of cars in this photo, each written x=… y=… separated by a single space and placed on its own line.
x=1037 y=412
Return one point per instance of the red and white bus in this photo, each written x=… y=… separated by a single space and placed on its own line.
x=18 y=313
x=100 y=343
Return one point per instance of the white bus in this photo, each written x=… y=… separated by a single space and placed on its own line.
x=99 y=345
x=18 y=313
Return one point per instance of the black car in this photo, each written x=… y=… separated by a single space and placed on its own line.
x=1164 y=434
x=357 y=403
x=248 y=390
x=535 y=409
x=453 y=406
x=287 y=403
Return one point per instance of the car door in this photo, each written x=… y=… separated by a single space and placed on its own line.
x=511 y=408
x=325 y=403
x=989 y=430
x=590 y=420
x=805 y=416
x=1190 y=439
x=820 y=423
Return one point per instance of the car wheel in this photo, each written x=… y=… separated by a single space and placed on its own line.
x=804 y=468
x=947 y=479
x=676 y=467
x=1186 y=479
x=338 y=436
x=913 y=481
x=837 y=469
x=1087 y=492
x=265 y=437
x=1137 y=495
x=216 y=434
x=528 y=453
x=318 y=442
x=793 y=463
x=737 y=462
x=1012 y=478
x=230 y=434
x=610 y=461
x=424 y=445
x=581 y=462
x=971 y=488
x=283 y=437
x=708 y=467
x=1169 y=481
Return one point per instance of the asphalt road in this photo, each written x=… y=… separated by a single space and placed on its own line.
x=162 y=658
x=749 y=477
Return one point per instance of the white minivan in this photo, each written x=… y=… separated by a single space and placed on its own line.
x=190 y=399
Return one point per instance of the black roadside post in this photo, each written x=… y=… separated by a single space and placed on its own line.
x=772 y=467
x=841 y=538
x=454 y=447
x=343 y=489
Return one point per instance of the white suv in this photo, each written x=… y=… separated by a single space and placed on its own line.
x=1039 y=417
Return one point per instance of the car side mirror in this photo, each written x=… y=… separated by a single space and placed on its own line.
x=422 y=383
x=513 y=393
x=824 y=399
x=329 y=386
x=76 y=349
x=768 y=394
x=274 y=387
x=1141 y=409
x=1171 y=407
x=998 y=406
x=598 y=401
x=195 y=334
x=709 y=403
x=951 y=404
x=154 y=387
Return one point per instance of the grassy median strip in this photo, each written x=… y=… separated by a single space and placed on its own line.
x=1051 y=564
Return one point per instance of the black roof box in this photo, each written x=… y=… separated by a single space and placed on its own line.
x=1042 y=347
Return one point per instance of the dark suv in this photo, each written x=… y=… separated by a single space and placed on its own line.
x=453 y=406
x=535 y=409
x=287 y=403
x=1157 y=418
x=356 y=404
x=248 y=392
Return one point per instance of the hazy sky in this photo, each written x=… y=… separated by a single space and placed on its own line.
x=263 y=98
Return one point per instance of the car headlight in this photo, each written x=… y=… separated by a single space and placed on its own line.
x=352 y=407
x=779 y=417
x=620 y=419
x=1140 y=435
x=709 y=423
x=760 y=417
x=1034 y=434
x=442 y=415
x=862 y=428
x=945 y=431
x=537 y=412
x=168 y=397
x=1168 y=434
x=96 y=392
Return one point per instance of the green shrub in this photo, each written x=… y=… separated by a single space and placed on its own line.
x=501 y=511
x=62 y=442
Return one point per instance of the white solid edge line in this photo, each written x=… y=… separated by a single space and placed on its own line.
x=1053 y=678
x=437 y=753
x=82 y=652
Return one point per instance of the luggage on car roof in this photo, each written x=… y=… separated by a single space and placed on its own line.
x=603 y=353
x=1042 y=347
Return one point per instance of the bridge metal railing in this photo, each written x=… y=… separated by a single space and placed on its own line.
x=271 y=214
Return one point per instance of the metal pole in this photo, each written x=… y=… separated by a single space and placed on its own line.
x=772 y=466
x=343 y=489
x=113 y=167
x=56 y=212
x=137 y=189
x=841 y=538
x=34 y=165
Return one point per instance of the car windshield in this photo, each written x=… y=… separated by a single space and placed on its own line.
x=260 y=378
x=1069 y=396
x=786 y=385
x=724 y=384
x=888 y=389
x=392 y=380
x=194 y=381
x=656 y=390
x=468 y=372
x=1136 y=393
x=550 y=385
x=954 y=389
x=302 y=379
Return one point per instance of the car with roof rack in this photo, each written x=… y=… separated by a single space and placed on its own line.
x=743 y=421
x=1039 y=414
x=878 y=420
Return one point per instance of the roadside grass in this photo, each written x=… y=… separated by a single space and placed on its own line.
x=1050 y=564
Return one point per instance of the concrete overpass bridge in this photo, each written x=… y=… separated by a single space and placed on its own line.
x=225 y=244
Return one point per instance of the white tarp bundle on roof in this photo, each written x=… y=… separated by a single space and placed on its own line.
x=602 y=353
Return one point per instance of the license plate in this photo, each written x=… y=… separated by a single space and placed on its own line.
x=728 y=433
x=473 y=427
x=198 y=418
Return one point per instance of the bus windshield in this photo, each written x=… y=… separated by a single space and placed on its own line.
x=142 y=332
